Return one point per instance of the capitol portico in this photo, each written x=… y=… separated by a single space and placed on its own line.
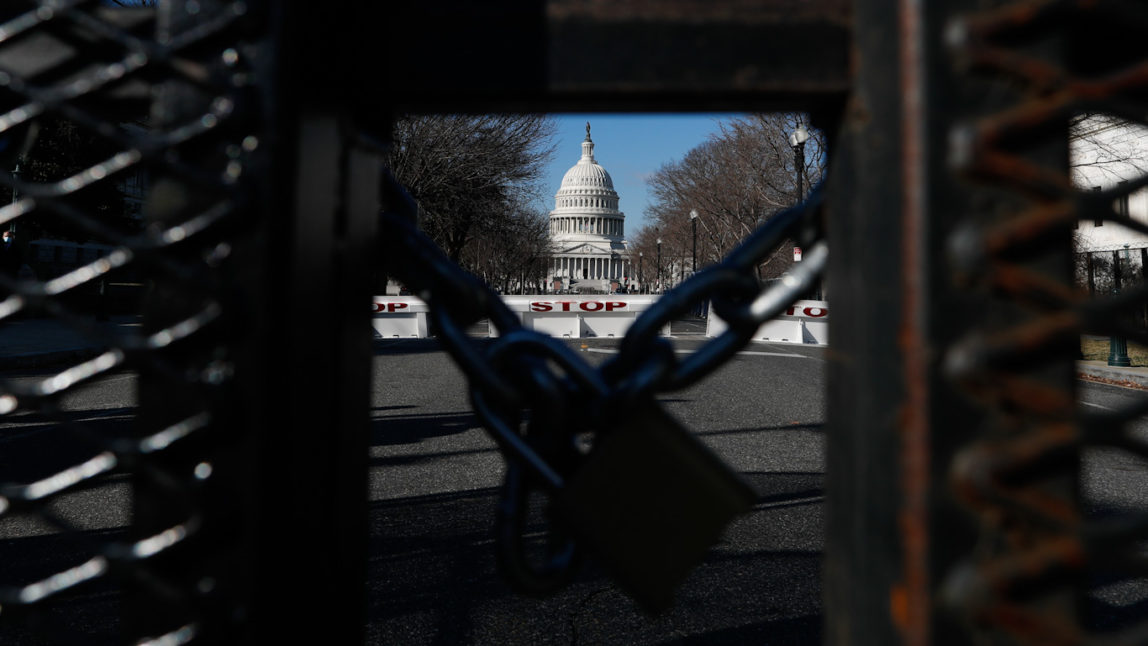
x=587 y=230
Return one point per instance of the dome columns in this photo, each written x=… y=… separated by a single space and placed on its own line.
x=590 y=268
x=610 y=227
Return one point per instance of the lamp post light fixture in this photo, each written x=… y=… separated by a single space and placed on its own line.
x=660 y=265
x=797 y=139
x=694 y=223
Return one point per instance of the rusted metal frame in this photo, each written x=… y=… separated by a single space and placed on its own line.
x=873 y=423
x=566 y=55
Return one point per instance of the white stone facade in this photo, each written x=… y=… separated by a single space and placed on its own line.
x=587 y=231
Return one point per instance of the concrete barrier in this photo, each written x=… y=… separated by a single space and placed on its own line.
x=577 y=316
x=400 y=316
x=801 y=322
x=573 y=317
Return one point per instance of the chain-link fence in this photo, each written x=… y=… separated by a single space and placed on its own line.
x=131 y=134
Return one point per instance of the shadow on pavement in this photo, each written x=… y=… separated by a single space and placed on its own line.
x=433 y=579
x=410 y=429
x=385 y=347
x=797 y=631
x=816 y=428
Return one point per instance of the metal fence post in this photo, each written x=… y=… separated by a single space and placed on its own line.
x=312 y=537
x=863 y=545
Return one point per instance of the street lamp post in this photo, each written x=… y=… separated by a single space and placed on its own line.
x=1117 y=344
x=659 y=263
x=797 y=139
x=641 y=274
x=694 y=223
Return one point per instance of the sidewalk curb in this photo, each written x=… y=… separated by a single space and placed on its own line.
x=1137 y=377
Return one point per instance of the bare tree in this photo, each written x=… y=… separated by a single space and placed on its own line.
x=468 y=173
x=738 y=178
x=514 y=253
x=1112 y=147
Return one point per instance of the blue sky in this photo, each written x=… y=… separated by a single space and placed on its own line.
x=630 y=147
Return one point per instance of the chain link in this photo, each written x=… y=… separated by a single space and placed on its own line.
x=523 y=383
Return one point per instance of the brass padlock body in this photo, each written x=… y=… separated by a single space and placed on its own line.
x=650 y=500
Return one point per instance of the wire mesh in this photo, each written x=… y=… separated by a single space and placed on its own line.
x=1044 y=548
x=126 y=133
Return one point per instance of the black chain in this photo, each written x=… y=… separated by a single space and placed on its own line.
x=523 y=383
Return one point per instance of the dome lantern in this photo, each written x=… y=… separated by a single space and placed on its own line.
x=588 y=146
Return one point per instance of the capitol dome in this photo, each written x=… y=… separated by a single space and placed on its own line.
x=586 y=173
x=586 y=227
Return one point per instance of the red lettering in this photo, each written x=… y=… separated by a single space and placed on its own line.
x=541 y=306
x=388 y=307
x=586 y=306
x=789 y=312
x=820 y=311
x=614 y=305
x=565 y=305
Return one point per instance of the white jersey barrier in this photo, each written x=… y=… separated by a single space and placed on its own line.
x=575 y=317
x=559 y=316
x=801 y=322
x=400 y=316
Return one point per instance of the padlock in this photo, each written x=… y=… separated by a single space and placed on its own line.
x=649 y=501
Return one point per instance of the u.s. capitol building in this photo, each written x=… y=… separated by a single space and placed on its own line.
x=587 y=231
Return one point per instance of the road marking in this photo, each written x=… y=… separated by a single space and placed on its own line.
x=788 y=503
x=750 y=352
x=1097 y=405
x=119 y=377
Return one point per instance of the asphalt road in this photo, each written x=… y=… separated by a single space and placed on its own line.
x=434 y=482
x=434 y=491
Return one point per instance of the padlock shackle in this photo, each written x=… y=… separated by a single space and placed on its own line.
x=528 y=577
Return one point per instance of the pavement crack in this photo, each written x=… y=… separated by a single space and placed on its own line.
x=574 y=615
